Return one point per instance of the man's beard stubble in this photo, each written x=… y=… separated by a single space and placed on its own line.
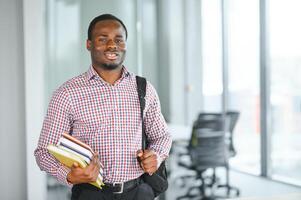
x=113 y=66
x=109 y=66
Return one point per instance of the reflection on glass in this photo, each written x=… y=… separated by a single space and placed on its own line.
x=285 y=51
x=243 y=16
x=212 y=55
x=62 y=44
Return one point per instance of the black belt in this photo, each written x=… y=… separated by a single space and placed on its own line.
x=118 y=188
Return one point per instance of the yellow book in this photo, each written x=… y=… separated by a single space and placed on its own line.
x=67 y=158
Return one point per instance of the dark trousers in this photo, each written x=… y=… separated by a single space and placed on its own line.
x=88 y=192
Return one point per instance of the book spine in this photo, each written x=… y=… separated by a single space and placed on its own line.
x=65 y=148
x=77 y=141
x=75 y=150
x=80 y=154
x=70 y=143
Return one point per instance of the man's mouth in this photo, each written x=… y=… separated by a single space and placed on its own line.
x=111 y=55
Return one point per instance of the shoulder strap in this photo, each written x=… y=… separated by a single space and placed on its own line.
x=141 y=88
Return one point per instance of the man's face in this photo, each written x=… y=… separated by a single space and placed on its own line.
x=107 y=45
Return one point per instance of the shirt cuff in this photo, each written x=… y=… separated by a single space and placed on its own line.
x=62 y=175
x=159 y=160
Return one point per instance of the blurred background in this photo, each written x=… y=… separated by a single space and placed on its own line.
x=202 y=56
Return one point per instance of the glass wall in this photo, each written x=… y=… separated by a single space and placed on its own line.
x=171 y=71
x=285 y=98
x=284 y=45
x=212 y=55
x=62 y=44
x=243 y=88
x=66 y=53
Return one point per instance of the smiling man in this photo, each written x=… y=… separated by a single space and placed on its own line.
x=101 y=108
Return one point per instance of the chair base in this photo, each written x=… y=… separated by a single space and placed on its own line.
x=213 y=186
x=229 y=189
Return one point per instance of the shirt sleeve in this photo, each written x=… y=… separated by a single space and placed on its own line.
x=57 y=121
x=158 y=137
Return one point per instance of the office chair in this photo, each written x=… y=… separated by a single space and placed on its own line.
x=204 y=123
x=207 y=149
x=233 y=116
x=230 y=123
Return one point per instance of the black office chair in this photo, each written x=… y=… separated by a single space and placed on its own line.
x=233 y=118
x=207 y=149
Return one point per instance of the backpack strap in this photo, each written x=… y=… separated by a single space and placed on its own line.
x=141 y=89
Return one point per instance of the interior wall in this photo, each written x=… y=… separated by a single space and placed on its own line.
x=34 y=62
x=12 y=102
x=150 y=63
x=193 y=60
x=63 y=52
x=163 y=57
x=179 y=59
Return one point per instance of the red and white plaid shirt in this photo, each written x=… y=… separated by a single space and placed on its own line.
x=106 y=117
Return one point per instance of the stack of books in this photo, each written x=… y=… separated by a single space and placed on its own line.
x=70 y=150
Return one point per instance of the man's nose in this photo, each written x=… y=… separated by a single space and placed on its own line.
x=111 y=44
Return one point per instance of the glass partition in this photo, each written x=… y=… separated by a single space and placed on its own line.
x=243 y=52
x=285 y=66
x=212 y=55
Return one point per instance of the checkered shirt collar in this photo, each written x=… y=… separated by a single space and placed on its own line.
x=91 y=73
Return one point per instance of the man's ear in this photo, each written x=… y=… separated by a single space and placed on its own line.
x=88 y=45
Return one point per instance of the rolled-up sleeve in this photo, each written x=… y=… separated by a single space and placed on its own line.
x=57 y=121
x=158 y=137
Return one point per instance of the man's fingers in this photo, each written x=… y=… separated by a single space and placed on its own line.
x=149 y=159
x=75 y=165
x=149 y=164
x=150 y=170
x=98 y=162
x=93 y=169
x=85 y=175
x=148 y=153
x=139 y=153
x=95 y=159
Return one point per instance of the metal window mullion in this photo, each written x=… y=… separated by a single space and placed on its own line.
x=265 y=117
x=225 y=67
x=186 y=66
x=201 y=18
x=139 y=39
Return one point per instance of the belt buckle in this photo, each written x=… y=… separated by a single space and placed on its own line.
x=121 y=187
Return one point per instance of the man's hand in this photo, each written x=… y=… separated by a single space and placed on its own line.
x=148 y=160
x=89 y=174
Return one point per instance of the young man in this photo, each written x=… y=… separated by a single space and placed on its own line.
x=101 y=108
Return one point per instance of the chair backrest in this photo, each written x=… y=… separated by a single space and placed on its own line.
x=208 y=149
x=233 y=116
x=230 y=122
x=213 y=121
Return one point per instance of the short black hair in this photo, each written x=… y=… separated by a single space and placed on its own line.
x=102 y=18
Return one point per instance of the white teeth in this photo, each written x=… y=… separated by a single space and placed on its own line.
x=111 y=55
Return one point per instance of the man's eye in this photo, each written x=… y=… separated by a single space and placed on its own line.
x=103 y=40
x=118 y=41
